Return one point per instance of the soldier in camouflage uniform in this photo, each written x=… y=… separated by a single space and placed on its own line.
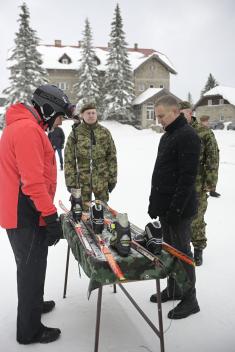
x=90 y=158
x=206 y=179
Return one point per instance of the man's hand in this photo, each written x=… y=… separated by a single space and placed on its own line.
x=54 y=230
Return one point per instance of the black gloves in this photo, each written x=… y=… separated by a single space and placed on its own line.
x=214 y=194
x=111 y=186
x=54 y=230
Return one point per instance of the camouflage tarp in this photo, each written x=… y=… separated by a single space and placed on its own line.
x=135 y=266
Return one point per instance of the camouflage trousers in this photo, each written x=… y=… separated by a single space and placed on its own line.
x=86 y=195
x=198 y=226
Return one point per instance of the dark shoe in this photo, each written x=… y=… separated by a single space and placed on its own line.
x=185 y=308
x=165 y=296
x=198 y=257
x=214 y=194
x=45 y=335
x=47 y=306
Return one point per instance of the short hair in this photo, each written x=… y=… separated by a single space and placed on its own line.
x=185 y=105
x=88 y=106
x=167 y=100
x=204 y=118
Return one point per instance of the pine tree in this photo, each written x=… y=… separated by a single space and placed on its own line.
x=119 y=87
x=190 y=99
x=87 y=87
x=211 y=83
x=26 y=71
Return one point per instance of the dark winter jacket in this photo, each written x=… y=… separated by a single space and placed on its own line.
x=57 y=138
x=173 y=181
x=27 y=170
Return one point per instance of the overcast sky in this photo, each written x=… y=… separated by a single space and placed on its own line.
x=197 y=36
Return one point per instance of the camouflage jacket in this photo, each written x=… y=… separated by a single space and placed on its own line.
x=85 y=143
x=209 y=158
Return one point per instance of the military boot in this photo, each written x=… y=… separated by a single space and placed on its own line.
x=198 y=256
x=185 y=308
x=170 y=293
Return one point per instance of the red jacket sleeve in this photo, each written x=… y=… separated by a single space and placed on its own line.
x=32 y=152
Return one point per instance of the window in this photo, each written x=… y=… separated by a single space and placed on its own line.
x=150 y=111
x=161 y=85
x=63 y=85
x=141 y=87
x=65 y=61
x=209 y=101
x=221 y=102
x=151 y=86
x=221 y=118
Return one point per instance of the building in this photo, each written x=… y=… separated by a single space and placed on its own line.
x=143 y=106
x=218 y=103
x=151 y=69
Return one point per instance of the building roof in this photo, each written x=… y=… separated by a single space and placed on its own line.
x=227 y=93
x=147 y=94
x=51 y=55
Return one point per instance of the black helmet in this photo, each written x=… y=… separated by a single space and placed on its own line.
x=50 y=102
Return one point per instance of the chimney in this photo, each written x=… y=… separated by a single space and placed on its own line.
x=57 y=42
x=136 y=46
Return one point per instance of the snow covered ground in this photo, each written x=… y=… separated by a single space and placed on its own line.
x=122 y=329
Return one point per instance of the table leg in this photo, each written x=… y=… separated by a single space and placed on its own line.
x=98 y=314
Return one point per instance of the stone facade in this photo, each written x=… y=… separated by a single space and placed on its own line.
x=216 y=107
x=151 y=74
x=144 y=111
x=64 y=79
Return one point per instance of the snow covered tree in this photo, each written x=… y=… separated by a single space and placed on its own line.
x=26 y=71
x=87 y=88
x=119 y=88
x=211 y=83
x=189 y=98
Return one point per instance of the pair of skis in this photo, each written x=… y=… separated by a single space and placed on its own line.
x=167 y=247
x=104 y=249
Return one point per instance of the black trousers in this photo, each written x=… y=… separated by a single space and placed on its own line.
x=179 y=236
x=31 y=261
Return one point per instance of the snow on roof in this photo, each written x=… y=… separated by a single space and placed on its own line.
x=227 y=93
x=51 y=55
x=148 y=93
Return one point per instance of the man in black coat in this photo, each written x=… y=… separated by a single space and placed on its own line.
x=173 y=195
x=57 y=138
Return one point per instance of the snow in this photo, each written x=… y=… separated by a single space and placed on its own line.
x=52 y=54
x=148 y=93
x=122 y=329
x=227 y=93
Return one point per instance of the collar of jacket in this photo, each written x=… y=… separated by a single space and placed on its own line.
x=179 y=122
x=90 y=127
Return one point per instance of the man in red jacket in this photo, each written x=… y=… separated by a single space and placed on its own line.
x=27 y=212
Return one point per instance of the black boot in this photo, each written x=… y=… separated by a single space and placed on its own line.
x=44 y=335
x=214 y=194
x=170 y=293
x=185 y=308
x=47 y=306
x=121 y=235
x=198 y=256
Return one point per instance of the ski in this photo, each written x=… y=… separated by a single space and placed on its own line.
x=79 y=231
x=140 y=249
x=106 y=251
x=167 y=247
